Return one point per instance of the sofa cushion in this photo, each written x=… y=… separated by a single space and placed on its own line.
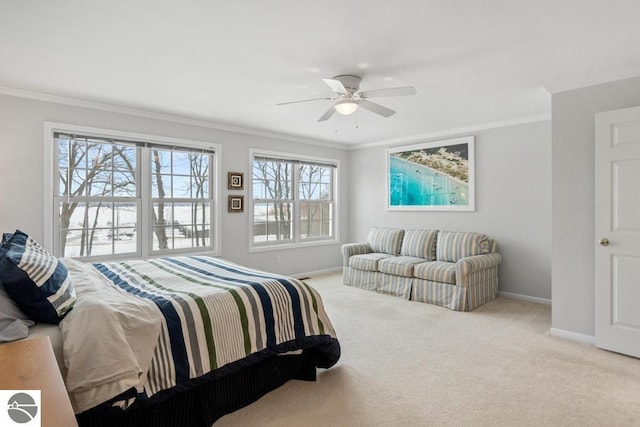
x=399 y=265
x=419 y=244
x=452 y=246
x=367 y=262
x=436 y=271
x=385 y=240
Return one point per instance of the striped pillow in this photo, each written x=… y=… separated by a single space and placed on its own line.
x=37 y=281
x=385 y=240
x=419 y=244
x=452 y=246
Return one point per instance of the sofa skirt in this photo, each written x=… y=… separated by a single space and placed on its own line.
x=457 y=298
x=480 y=291
x=442 y=294
x=360 y=278
x=379 y=282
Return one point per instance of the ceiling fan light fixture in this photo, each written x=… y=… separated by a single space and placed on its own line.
x=346 y=107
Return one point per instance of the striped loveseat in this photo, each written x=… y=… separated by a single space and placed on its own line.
x=457 y=270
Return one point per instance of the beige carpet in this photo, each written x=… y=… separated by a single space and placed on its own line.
x=412 y=364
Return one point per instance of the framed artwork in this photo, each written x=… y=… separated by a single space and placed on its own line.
x=236 y=204
x=235 y=181
x=434 y=176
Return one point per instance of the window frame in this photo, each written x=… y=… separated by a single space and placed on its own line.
x=145 y=199
x=297 y=241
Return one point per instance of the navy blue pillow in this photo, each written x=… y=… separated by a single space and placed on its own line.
x=36 y=280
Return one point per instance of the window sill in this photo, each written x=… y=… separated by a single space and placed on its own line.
x=299 y=245
x=136 y=256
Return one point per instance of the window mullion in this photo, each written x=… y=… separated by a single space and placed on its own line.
x=144 y=193
x=296 y=214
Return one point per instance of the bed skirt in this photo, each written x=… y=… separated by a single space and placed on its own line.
x=204 y=404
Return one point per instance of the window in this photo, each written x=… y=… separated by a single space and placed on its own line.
x=293 y=200
x=115 y=197
x=97 y=198
x=181 y=206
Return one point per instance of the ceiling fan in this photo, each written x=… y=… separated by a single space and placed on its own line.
x=348 y=97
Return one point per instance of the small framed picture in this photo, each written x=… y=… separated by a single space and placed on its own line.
x=235 y=181
x=236 y=204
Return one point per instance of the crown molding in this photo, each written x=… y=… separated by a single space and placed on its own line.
x=601 y=79
x=76 y=102
x=148 y=114
x=454 y=131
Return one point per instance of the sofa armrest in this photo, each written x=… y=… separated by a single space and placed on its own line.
x=477 y=268
x=351 y=249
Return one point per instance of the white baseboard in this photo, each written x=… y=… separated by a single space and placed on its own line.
x=318 y=272
x=573 y=336
x=525 y=297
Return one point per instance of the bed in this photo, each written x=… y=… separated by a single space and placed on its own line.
x=178 y=340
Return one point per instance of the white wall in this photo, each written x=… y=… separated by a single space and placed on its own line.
x=513 y=202
x=512 y=193
x=573 y=222
x=22 y=182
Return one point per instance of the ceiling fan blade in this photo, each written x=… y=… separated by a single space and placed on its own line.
x=327 y=115
x=376 y=108
x=304 y=100
x=336 y=86
x=393 y=91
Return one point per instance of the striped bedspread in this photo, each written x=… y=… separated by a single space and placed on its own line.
x=214 y=312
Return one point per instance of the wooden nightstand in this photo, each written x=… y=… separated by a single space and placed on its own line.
x=30 y=365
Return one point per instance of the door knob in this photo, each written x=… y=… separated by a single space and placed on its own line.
x=604 y=241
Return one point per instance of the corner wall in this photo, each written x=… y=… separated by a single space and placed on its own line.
x=513 y=202
x=22 y=183
x=573 y=219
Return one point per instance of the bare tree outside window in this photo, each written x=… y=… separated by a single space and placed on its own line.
x=315 y=191
x=200 y=173
x=89 y=170
x=100 y=197
x=181 y=200
x=272 y=187
x=291 y=195
x=159 y=222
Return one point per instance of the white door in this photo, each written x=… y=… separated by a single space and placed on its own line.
x=617 y=260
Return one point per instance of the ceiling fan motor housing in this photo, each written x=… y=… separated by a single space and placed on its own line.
x=350 y=82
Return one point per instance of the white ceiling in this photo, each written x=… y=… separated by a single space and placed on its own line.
x=472 y=62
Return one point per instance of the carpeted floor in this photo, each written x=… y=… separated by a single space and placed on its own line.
x=412 y=364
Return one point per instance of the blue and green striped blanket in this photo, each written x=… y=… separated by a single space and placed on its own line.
x=214 y=313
